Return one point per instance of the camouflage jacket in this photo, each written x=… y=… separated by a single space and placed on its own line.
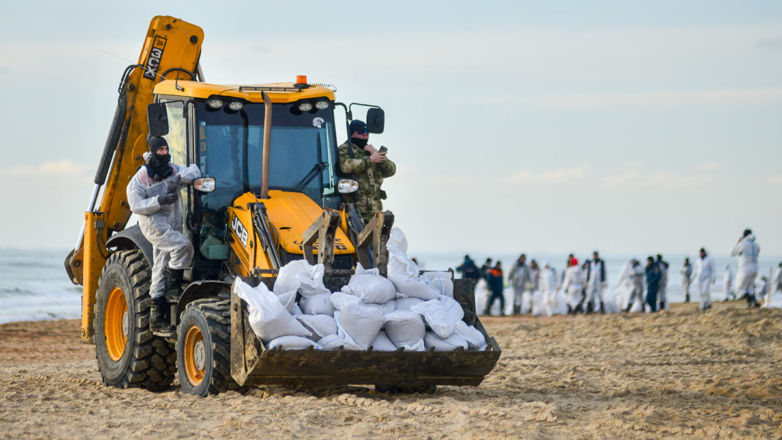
x=369 y=176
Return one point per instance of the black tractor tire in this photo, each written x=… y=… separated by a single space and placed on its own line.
x=205 y=369
x=146 y=361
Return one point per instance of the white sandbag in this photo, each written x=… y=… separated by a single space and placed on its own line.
x=296 y=310
x=556 y=303
x=445 y=344
x=291 y=343
x=538 y=302
x=473 y=336
x=404 y=328
x=440 y=282
x=359 y=322
x=333 y=342
x=386 y=308
x=773 y=301
x=300 y=276
x=288 y=300
x=406 y=303
x=340 y=300
x=441 y=315
x=403 y=272
x=319 y=304
x=382 y=343
x=319 y=325
x=370 y=286
x=269 y=319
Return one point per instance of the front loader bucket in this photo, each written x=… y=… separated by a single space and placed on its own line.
x=253 y=364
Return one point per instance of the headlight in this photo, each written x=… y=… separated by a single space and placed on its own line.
x=235 y=106
x=322 y=105
x=215 y=103
x=205 y=184
x=305 y=106
x=347 y=186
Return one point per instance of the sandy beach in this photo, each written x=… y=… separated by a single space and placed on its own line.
x=680 y=373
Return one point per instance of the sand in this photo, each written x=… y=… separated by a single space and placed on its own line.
x=681 y=373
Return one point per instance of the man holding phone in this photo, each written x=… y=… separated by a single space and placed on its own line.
x=369 y=165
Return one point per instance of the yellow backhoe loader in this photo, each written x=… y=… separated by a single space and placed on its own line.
x=271 y=192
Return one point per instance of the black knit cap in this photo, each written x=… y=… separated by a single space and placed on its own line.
x=357 y=125
x=156 y=143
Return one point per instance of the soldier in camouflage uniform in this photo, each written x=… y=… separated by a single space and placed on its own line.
x=370 y=167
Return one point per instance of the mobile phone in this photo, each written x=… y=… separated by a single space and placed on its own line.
x=382 y=149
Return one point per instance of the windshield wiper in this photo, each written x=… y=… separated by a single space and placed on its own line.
x=311 y=175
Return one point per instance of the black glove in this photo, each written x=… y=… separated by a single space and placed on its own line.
x=172 y=184
x=166 y=199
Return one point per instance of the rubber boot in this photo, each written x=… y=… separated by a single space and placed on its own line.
x=602 y=308
x=751 y=301
x=687 y=298
x=157 y=317
x=174 y=282
x=662 y=305
x=517 y=310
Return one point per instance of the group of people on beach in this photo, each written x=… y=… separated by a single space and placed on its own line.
x=582 y=287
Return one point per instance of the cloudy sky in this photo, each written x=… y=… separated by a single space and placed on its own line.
x=632 y=127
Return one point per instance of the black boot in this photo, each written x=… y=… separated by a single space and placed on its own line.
x=602 y=308
x=751 y=301
x=517 y=310
x=662 y=305
x=158 y=323
x=174 y=282
x=687 y=298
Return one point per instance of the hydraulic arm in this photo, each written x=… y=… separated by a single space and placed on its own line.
x=171 y=51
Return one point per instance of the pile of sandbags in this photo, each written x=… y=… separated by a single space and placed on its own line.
x=406 y=310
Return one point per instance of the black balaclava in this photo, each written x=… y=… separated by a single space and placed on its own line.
x=158 y=163
x=355 y=126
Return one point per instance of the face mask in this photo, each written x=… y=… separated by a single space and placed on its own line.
x=360 y=143
x=159 y=165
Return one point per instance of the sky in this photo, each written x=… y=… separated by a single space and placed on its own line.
x=560 y=126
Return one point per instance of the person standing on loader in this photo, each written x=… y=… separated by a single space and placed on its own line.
x=370 y=167
x=152 y=195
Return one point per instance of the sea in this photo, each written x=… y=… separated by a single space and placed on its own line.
x=35 y=287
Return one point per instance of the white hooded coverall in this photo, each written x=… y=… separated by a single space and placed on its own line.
x=747 y=251
x=595 y=285
x=161 y=224
x=704 y=276
x=571 y=285
x=549 y=283
x=728 y=283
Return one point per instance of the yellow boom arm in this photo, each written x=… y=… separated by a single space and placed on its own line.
x=171 y=50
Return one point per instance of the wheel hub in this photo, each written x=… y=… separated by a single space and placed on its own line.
x=125 y=324
x=199 y=355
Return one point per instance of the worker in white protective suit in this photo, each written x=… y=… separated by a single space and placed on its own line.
x=704 y=278
x=519 y=278
x=686 y=273
x=778 y=279
x=549 y=285
x=635 y=302
x=727 y=284
x=572 y=286
x=596 y=284
x=747 y=251
x=153 y=195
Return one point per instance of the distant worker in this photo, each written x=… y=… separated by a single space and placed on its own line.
x=763 y=288
x=470 y=271
x=534 y=276
x=152 y=195
x=637 y=275
x=747 y=251
x=549 y=285
x=572 y=285
x=496 y=286
x=727 y=284
x=704 y=277
x=519 y=278
x=653 y=277
x=777 y=279
x=686 y=273
x=662 y=292
x=485 y=270
x=370 y=167
x=596 y=284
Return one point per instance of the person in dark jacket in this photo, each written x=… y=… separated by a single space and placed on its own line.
x=485 y=269
x=653 y=277
x=496 y=284
x=470 y=271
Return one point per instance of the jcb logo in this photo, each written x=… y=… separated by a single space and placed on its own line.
x=239 y=230
x=155 y=55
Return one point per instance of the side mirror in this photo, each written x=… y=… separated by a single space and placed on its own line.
x=205 y=184
x=347 y=186
x=376 y=120
x=157 y=119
